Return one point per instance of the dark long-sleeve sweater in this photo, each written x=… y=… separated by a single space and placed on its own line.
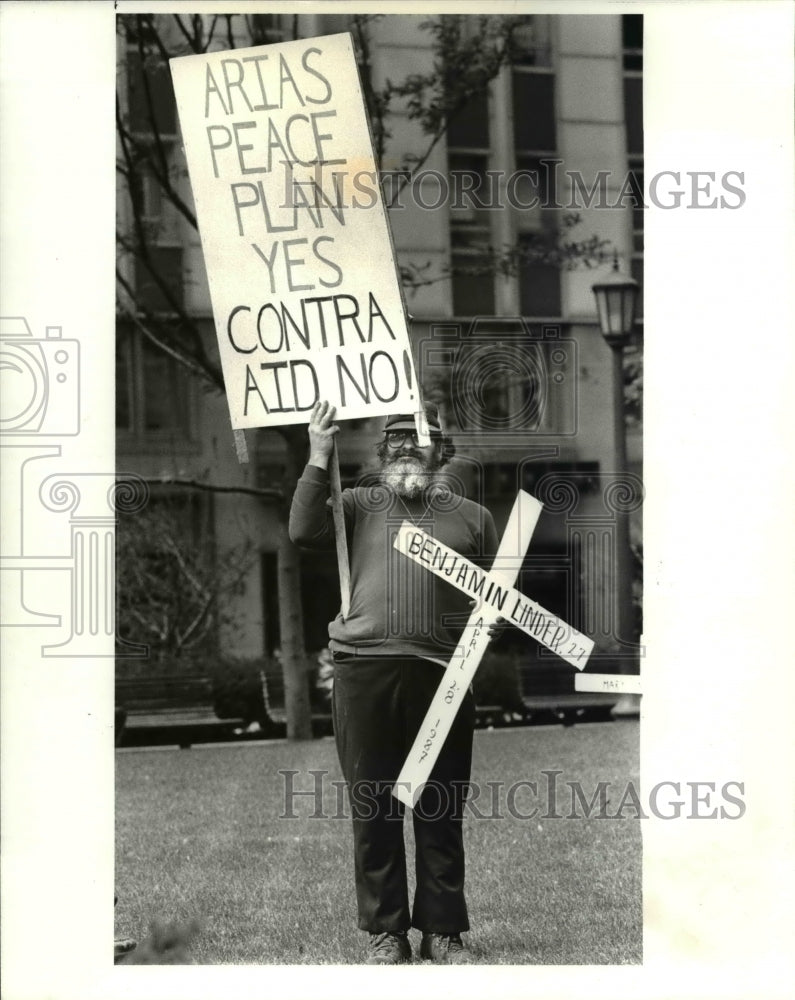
x=398 y=608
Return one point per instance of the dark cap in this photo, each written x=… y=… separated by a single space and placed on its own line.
x=407 y=421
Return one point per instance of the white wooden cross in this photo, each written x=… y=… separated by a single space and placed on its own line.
x=498 y=598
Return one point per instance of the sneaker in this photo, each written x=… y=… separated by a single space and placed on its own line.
x=444 y=949
x=389 y=949
x=123 y=947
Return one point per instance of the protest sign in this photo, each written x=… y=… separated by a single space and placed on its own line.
x=296 y=241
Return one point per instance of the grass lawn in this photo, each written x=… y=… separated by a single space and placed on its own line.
x=198 y=834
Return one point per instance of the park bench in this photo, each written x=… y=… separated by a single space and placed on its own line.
x=192 y=707
x=169 y=693
x=182 y=703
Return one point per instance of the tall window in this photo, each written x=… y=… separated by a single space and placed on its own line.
x=266 y=29
x=632 y=39
x=151 y=119
x=167 y=293
x=150 y=96
x=469 y=156
x=535 y=140
x=153 y=391
x=528 y=101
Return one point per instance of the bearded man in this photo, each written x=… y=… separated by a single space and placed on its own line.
x=389 y=655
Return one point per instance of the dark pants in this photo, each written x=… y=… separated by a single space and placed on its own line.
x=378 y=707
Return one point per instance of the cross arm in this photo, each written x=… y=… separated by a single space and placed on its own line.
x=496 y=593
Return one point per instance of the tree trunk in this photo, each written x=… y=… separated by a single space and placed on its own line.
x=291 y=619
x=291 y=626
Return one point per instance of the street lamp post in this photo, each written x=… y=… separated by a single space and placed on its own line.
x=616 y=299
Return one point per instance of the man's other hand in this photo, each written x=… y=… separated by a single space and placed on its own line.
x=497 y=627
x=321 y=433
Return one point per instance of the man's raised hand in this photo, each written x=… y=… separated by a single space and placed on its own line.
x=321 y=433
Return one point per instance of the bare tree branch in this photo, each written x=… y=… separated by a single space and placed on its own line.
x=264 y=493
x=184 y=31
x=158 y=166
x=153 y=33
x=172 y=583
x=198 y=362
x=211 y=32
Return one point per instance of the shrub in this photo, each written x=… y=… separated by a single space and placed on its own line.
x=239 y=691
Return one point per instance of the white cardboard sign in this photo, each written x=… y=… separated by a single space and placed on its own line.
x=296 y=241
x=608 y=683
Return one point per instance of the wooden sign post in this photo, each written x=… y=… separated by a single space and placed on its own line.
x=498 y=598
x=343 y=567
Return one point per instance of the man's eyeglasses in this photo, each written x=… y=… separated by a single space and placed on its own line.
x=396 y=439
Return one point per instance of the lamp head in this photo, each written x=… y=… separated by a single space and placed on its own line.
x=616 y=298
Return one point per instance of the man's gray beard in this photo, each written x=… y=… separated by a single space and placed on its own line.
x=408 y=477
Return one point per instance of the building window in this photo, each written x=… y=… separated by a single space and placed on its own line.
x=147 y=193
x=502 y=479
x=633 y=112
x=151 y=106
x=553 y=575
x=535 y=141
x=632 y=38
x=165 y=295
x=534 y=131
x=532 y=42
x=267 y=29
x=153 y=391
x=632 y=41
x=528 y=100
x=469 y=155
x=507 y=377
x=153 y=162
x=469 y=129
x=470 y=221
x=539 y=283
x=473 y=282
